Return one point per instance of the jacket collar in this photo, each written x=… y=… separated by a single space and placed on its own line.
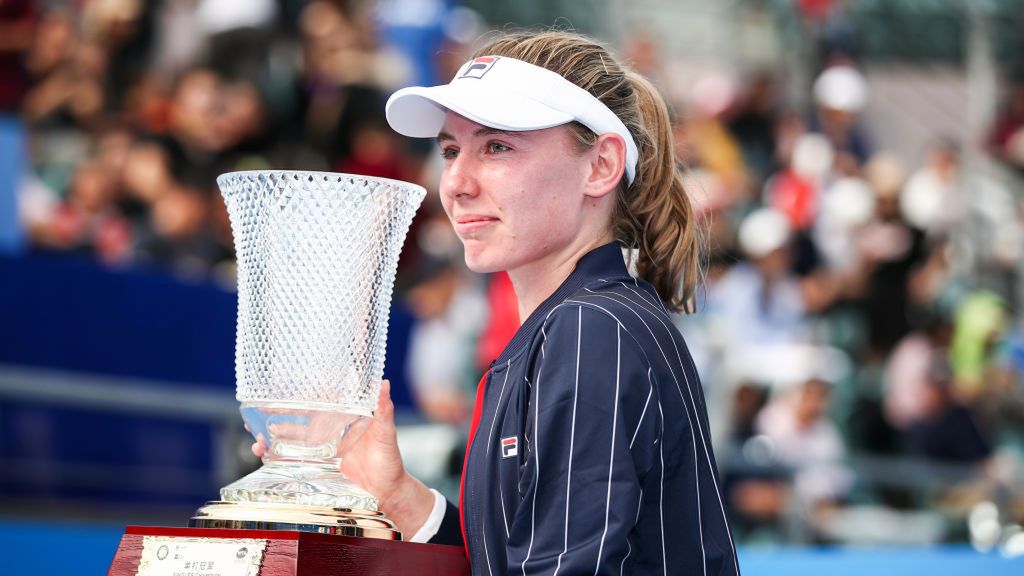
x=602 y=262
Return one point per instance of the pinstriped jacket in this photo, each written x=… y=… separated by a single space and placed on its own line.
x=592 y=454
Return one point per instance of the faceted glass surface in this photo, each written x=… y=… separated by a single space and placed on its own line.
x=317 y=254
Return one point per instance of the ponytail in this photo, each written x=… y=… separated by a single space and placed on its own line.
x=654 y=216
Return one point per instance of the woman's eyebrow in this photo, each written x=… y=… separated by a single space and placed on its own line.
x=482 y=131
x=487 y=131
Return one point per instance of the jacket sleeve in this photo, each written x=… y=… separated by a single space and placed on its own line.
x=580 y=481
x=450 y=531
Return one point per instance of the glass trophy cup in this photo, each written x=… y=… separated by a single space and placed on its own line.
x=317 y=254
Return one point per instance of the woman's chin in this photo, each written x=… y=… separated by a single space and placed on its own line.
x=483 y=263
x=483 y=267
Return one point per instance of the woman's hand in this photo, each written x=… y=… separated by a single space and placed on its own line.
x=370 y=458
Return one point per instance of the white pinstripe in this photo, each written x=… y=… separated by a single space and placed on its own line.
x=526 y=440
x=693 y=438
x=501 y=394
x=644 y=412
x=611 y=459
x=661 y=495
x=487 y=556
x=572 y=437
x=490 y=435
x=504 y=518
x=629 y=546
x=536 y=456
x=693 y=405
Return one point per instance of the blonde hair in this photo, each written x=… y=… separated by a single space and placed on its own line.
x=654 y=215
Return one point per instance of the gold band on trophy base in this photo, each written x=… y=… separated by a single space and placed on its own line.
x=302 y=518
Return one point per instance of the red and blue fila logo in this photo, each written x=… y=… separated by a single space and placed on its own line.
x=509 y=447
x=478 y=67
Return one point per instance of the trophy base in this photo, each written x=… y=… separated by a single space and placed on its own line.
x=278 y=553
x=267 y=516
x=298 y=483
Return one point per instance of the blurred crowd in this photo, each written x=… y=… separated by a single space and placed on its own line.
x=130 y=110
x=841 y=329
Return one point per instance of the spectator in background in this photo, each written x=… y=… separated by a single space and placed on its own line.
x=123 y=31
x=239 y=40
x=840 y=93
x=450 y=311
x=753 y=123
x=759 y=303
x=53 y=41
x=89 y=221
x=343 y=76
x=890 y=249
x=178 y=37
x=17 y=28
x=68 y=77
x=947 y=430
x=1006 y=140
x=910 y=371
x=804 y=439
x=847 y=206
x=978 y=328
x=242 y=121
x=703 y=140
x=792 y=461
x=193 y=140
x=177 y=234
x=145 y=176
x=797 y=191
x=929 y=201
x=375 y=150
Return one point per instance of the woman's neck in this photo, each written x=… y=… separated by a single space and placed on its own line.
x=537 y=280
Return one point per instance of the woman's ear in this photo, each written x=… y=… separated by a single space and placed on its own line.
x=607 y=165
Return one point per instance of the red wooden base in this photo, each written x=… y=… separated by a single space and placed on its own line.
x=309 y=554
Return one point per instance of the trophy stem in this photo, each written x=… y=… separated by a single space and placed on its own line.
x=299 y=482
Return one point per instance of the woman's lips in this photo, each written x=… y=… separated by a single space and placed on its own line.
x=472 y=224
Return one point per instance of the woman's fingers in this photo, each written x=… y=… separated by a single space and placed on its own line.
x=259 y=448
x=383 y=417
x=352 y=435
x=383 y=426
x=385 y=407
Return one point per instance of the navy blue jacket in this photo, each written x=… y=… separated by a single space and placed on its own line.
x=593 y=454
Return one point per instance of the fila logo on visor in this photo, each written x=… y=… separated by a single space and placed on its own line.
x=509 y=447
x=479 y=66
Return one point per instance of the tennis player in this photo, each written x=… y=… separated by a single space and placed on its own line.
x=589 y=451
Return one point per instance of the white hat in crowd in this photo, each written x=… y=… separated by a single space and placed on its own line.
x=841 y=88
x=763 y=231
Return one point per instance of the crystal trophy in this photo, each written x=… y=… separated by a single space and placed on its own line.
x=317 y=254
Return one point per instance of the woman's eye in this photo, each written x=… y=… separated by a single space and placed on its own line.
x=449 y=153
x=495 y=147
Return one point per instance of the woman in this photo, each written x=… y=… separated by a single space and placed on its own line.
x=589 y=450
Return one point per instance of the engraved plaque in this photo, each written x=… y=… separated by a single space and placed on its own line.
x=176 y=556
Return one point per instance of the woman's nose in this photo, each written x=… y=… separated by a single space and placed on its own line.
x=459 y=178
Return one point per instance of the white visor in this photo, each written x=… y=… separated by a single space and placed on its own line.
x=505 y=94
